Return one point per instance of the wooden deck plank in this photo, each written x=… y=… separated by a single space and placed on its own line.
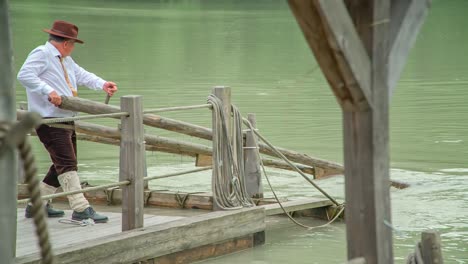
x=162 y=239
x=64 y=235
x=298 y=205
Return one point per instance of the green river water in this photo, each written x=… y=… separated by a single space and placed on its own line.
x=173 y=52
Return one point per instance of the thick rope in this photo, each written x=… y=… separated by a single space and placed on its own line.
x=38 y=211
x=228 y=182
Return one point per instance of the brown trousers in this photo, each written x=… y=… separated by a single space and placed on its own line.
x=61 y=145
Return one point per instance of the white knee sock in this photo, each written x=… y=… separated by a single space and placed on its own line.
x=71 y=182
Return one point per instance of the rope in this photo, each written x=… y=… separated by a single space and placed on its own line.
x=289 y=162
x=176 y=173
x=177 y=108
x=341 y=206
x=75 y=118
x=32 y=181
x=89 y=189
x=86 y=222
x=228 y=182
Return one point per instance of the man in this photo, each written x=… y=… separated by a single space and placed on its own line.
x=48 y=73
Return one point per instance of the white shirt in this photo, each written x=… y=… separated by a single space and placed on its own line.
x=42 y=73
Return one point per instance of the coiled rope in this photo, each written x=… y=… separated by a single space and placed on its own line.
x=14 y=135
x=228 y=184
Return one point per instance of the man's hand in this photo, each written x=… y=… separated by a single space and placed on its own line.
x=110 y=88
x=55 y=99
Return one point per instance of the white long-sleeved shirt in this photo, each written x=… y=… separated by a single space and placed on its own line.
x=42 y=73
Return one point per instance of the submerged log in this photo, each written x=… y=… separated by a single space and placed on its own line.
x=92 y=107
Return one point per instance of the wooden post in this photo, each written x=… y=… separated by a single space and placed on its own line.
x=132 y=148
x=252 y=164
x=224 y=94
x=9 y=158
x=431 y=247
x=352 y=43
x=366 y=144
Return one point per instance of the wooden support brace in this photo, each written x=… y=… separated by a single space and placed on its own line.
x=337 y=49
x=351 y=56
x=407 y=17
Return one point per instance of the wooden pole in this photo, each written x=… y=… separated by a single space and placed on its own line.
x=8 y=160
x=224 y=94
x=366 y=152
x=252 y=164
x=132 y=148
x=431 y=247
x=351 y=42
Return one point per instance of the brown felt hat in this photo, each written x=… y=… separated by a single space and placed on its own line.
x=64 y=29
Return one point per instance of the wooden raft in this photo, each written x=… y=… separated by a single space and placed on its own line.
x=166 y=237
x=162 y=237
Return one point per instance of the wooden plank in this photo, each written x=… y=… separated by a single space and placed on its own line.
x=298 y=205
x=431 y=247
x=207 y=251
x=63 y=235
x=407 y=18
x=154 y=241
x=9 y=158
x=351 y=56
x=132 y=156
x=253 y=176
x=366 y=144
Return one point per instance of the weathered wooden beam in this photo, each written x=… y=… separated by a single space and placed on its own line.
x=366 y=144
x=292 y=206
x=9 y=159
x=407 y=18
x=132 y=155
x=351 y=56
x=333 y=167
x=91 y=107
x=431 y=247
x=159 y=240
x=315 y=31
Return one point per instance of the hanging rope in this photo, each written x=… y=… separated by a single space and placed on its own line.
x=228 y=182
x=280 y=155
x=339 y=206
x=17 y=136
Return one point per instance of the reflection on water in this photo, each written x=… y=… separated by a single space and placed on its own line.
x=173 y=52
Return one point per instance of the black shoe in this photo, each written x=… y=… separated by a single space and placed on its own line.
x=50 y=212
x=89 y=213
